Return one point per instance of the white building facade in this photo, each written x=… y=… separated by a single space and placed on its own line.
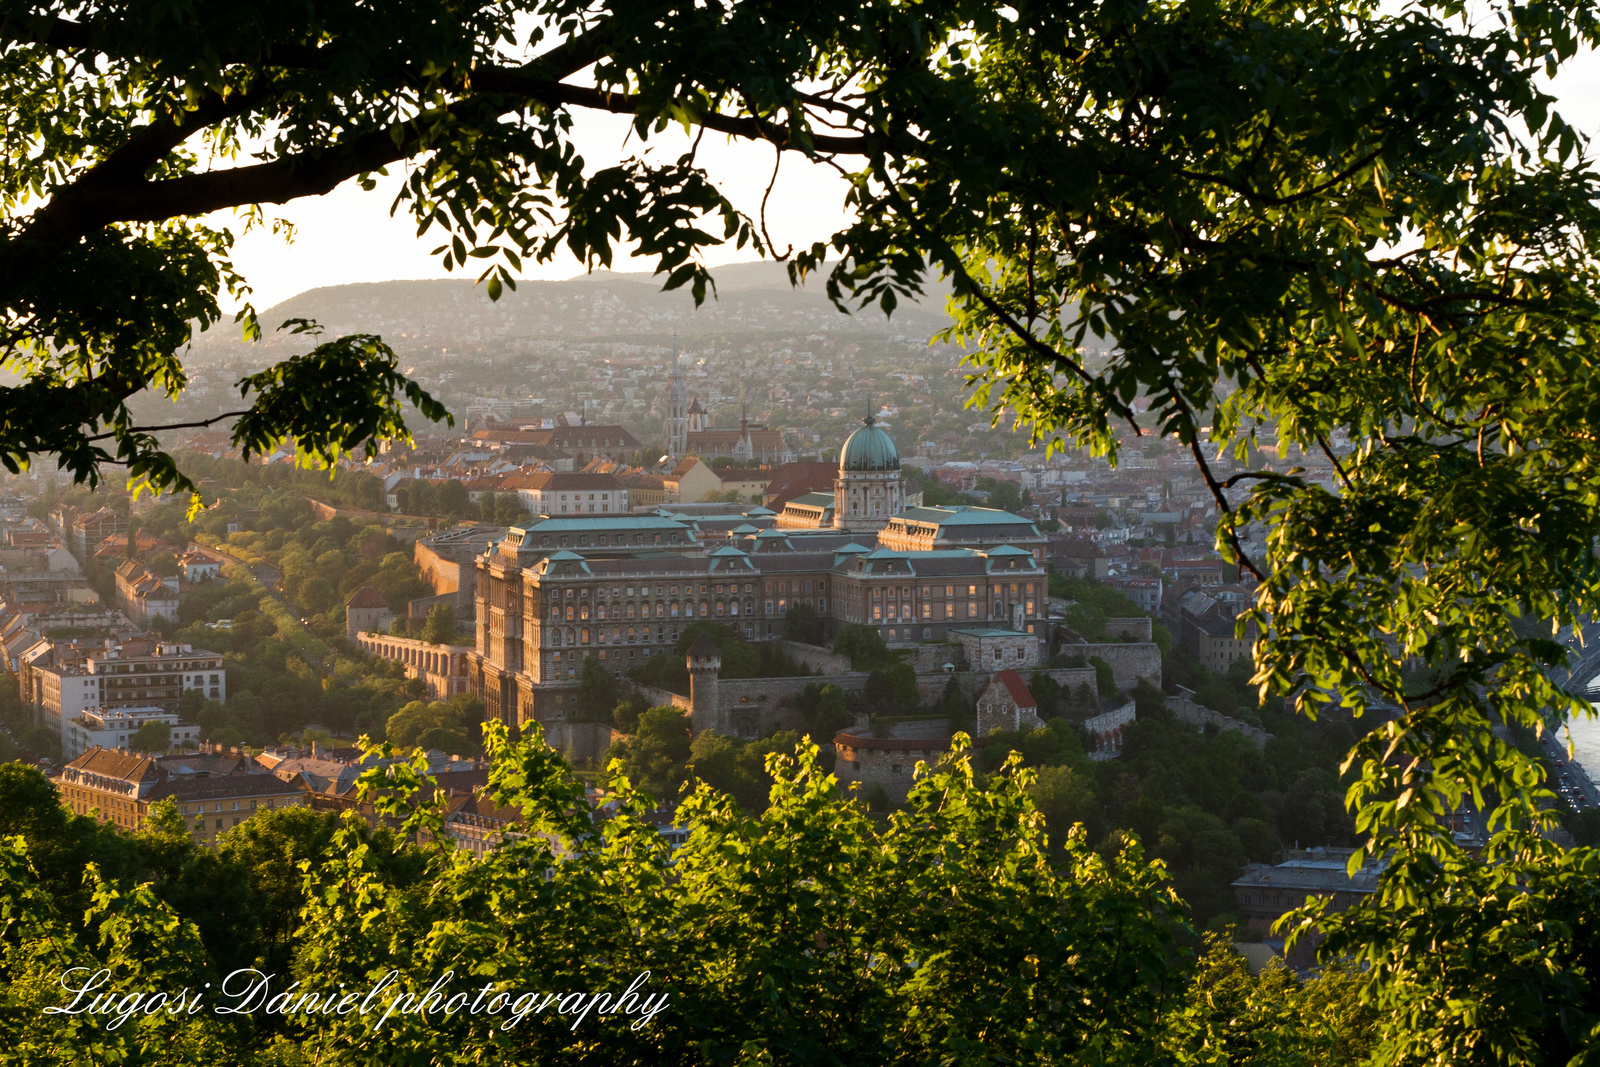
x=115 y=729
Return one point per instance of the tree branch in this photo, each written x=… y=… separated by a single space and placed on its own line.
x=84 y=208
x=200 y=425
x=521 y=82
x=1284 y=201
x=74 y=214
x=1215 y=486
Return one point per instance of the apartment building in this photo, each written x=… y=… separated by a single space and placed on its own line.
x=133 y=674
x=144 y=595
x=570 y=493
x=110 y=729
x=119 y=787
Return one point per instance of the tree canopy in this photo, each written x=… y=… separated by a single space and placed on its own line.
x=1291 y=224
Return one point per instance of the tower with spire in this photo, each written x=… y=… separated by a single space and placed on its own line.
x=677 y=407
x=745 y=448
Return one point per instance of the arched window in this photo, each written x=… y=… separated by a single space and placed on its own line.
x=585 y=635
x=705 y=609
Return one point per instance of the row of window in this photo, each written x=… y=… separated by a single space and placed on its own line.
x=582 y=636
x=794 y=587
x=880 y=592
x=617 y=592
x=581 y=612
x=582 y=540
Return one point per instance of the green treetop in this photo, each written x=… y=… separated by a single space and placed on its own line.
x=1234 y=224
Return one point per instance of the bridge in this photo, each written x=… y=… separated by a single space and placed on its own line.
x=1583 y=677
x=1583 y=672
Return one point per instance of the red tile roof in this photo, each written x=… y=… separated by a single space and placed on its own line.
x=366 y=597
x=797 y=479
x=1017 y=688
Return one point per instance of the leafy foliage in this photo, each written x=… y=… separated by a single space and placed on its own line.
x=1233 y=224
x=598 y=691
x=863 y=644
x=950 y=928
x=656 y=755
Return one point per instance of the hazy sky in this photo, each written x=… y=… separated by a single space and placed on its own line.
x=348 y=235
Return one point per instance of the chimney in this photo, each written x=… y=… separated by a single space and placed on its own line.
x=316 y=750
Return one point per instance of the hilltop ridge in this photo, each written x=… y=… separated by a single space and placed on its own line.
x=602 y=306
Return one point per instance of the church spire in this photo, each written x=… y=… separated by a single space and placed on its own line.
x=677 y=421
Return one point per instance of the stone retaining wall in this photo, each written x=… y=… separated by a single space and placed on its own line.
x=817 y=658
x=1129 y=661
x=1137 y=629
x=581 y=740
x=751 y=707
x=1186 y=710
x=659 y=697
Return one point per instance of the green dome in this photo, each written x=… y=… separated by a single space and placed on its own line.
x=869 y=449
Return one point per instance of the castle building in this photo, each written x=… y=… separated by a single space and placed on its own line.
x=622 y=588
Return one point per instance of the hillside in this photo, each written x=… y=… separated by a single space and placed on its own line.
x=624 y=308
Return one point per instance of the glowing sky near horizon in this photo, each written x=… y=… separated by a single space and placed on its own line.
x=349 y=235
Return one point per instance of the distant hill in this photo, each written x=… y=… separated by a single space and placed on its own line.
x=606 y=306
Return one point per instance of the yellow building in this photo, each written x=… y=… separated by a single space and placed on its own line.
x=118 y=787
x=690 y=481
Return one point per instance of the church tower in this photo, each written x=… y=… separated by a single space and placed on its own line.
x=677 y=408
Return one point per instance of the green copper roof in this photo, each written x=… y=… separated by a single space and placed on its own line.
x=599 y=523
x=869 y=449
x=962 y=515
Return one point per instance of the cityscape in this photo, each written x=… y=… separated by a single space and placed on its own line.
x=740 y=535
x=666 y=581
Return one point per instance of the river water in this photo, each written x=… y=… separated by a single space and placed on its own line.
x=1585 y=734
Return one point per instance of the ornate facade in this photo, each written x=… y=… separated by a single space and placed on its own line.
x=621 y=588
